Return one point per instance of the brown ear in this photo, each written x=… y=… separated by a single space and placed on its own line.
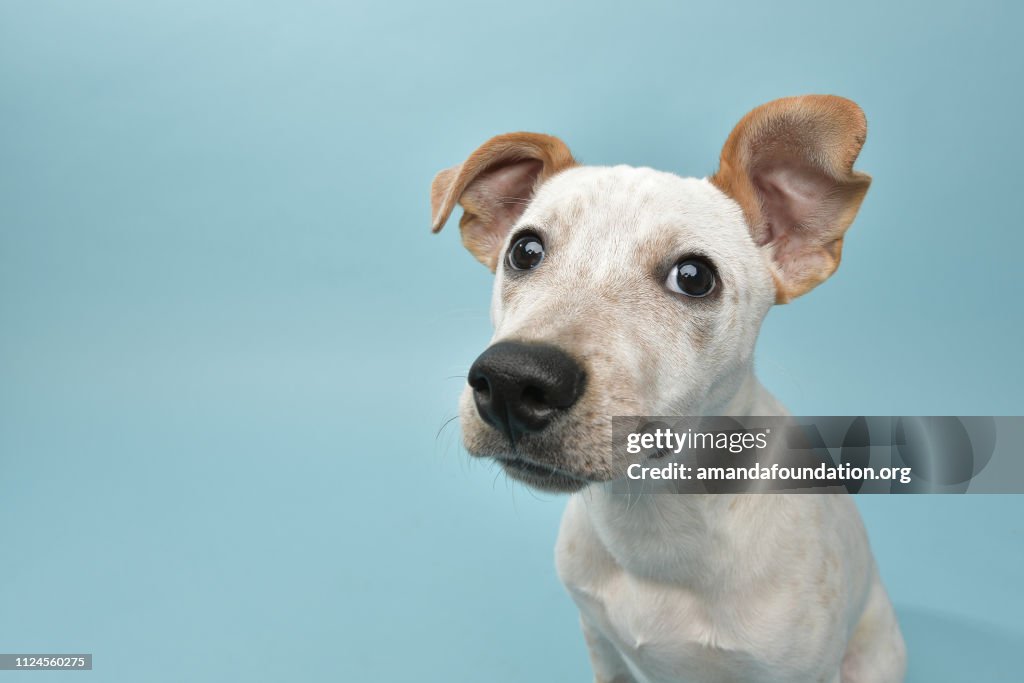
x=789 y=165
x=494 y=185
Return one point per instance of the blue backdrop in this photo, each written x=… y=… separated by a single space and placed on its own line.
x=228 y=340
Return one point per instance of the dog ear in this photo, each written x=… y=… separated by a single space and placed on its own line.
x=789 y=165
x=494 y=185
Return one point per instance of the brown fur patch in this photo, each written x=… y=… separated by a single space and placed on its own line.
x=822 y=134
x=486 y=215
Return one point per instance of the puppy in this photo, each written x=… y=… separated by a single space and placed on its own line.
x=629 y=291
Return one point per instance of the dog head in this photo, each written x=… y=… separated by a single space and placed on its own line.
x=629 y=291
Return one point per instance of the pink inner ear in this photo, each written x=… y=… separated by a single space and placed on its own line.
x=796 y=204
x=499 y=196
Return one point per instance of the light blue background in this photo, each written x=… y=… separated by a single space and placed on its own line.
x=228 y=341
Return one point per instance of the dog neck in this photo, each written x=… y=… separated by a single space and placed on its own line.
x=690 y=538
x=751 y=398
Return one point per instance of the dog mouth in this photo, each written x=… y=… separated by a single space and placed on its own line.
x=541 y=476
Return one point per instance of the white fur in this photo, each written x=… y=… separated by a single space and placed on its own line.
x=763 y=588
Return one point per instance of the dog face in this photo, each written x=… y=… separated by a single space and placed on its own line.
x=629 y=291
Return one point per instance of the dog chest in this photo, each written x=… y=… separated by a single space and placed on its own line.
x=660 y=629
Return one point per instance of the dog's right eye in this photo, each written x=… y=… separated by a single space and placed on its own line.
x=526 y=252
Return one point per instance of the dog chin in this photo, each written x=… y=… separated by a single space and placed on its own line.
x=520 y=463
x=541 y=477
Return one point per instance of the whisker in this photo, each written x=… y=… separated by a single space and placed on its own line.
x=445 y=424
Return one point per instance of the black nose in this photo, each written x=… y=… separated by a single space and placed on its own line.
x=519 y=388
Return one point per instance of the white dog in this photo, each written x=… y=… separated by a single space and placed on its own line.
x=629 y=291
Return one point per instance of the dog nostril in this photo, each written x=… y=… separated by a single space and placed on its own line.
x=481 y=386
x=533 y=397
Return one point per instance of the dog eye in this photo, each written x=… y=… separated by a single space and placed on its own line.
x=692 y=277
x=526 y=252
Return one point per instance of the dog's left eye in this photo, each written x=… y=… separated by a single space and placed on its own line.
x=692 y=277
